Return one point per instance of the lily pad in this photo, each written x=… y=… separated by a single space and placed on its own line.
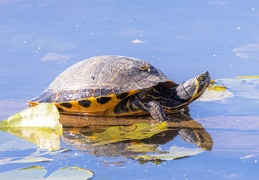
x=241 y=86
x=216 y=91
x=38 y=172
x=216 y=95
x=71 y=172
x=30 y=159
x=39 y=125
x=56 y=152
x=247 y=77
x=244 y=86
x=42 y=115
x=30 y=173
x=249 y=51
x=173 y=153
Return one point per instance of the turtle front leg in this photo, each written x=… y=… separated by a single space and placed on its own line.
x=155 y=110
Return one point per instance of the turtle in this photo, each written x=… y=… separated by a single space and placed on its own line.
x=112 y=85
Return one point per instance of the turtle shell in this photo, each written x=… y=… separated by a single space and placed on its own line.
x=88 y=86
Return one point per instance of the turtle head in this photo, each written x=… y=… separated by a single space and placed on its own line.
x=189 y=90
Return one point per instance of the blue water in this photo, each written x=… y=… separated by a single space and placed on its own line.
x=39 y=39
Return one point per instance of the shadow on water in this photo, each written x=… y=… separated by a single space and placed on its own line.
x=127 y=137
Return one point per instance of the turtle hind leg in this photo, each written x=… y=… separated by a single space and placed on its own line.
x=155 y=110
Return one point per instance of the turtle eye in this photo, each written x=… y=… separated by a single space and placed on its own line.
x=201 y=78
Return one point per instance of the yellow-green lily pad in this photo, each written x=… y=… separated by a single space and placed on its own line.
x=211 y=95
x=43 y=115
x=39 y=125
x=248 y=77
x=216 y=91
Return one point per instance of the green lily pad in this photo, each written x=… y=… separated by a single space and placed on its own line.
x=244 y=86
x=216 y=91
x=30 y=159
x=247 y=77
x=173 y=153
x=30 y=173
x=38 y=172
x=5 y=160
x=241 y=86
x=43 y=115
x=249 y=51
x=56 y=152
x=39 y=125
x=71 y=172
x=34 y=157
x=211 y=95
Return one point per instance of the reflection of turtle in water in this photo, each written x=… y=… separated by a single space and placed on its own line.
x=120 y=86
x=81 y=138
